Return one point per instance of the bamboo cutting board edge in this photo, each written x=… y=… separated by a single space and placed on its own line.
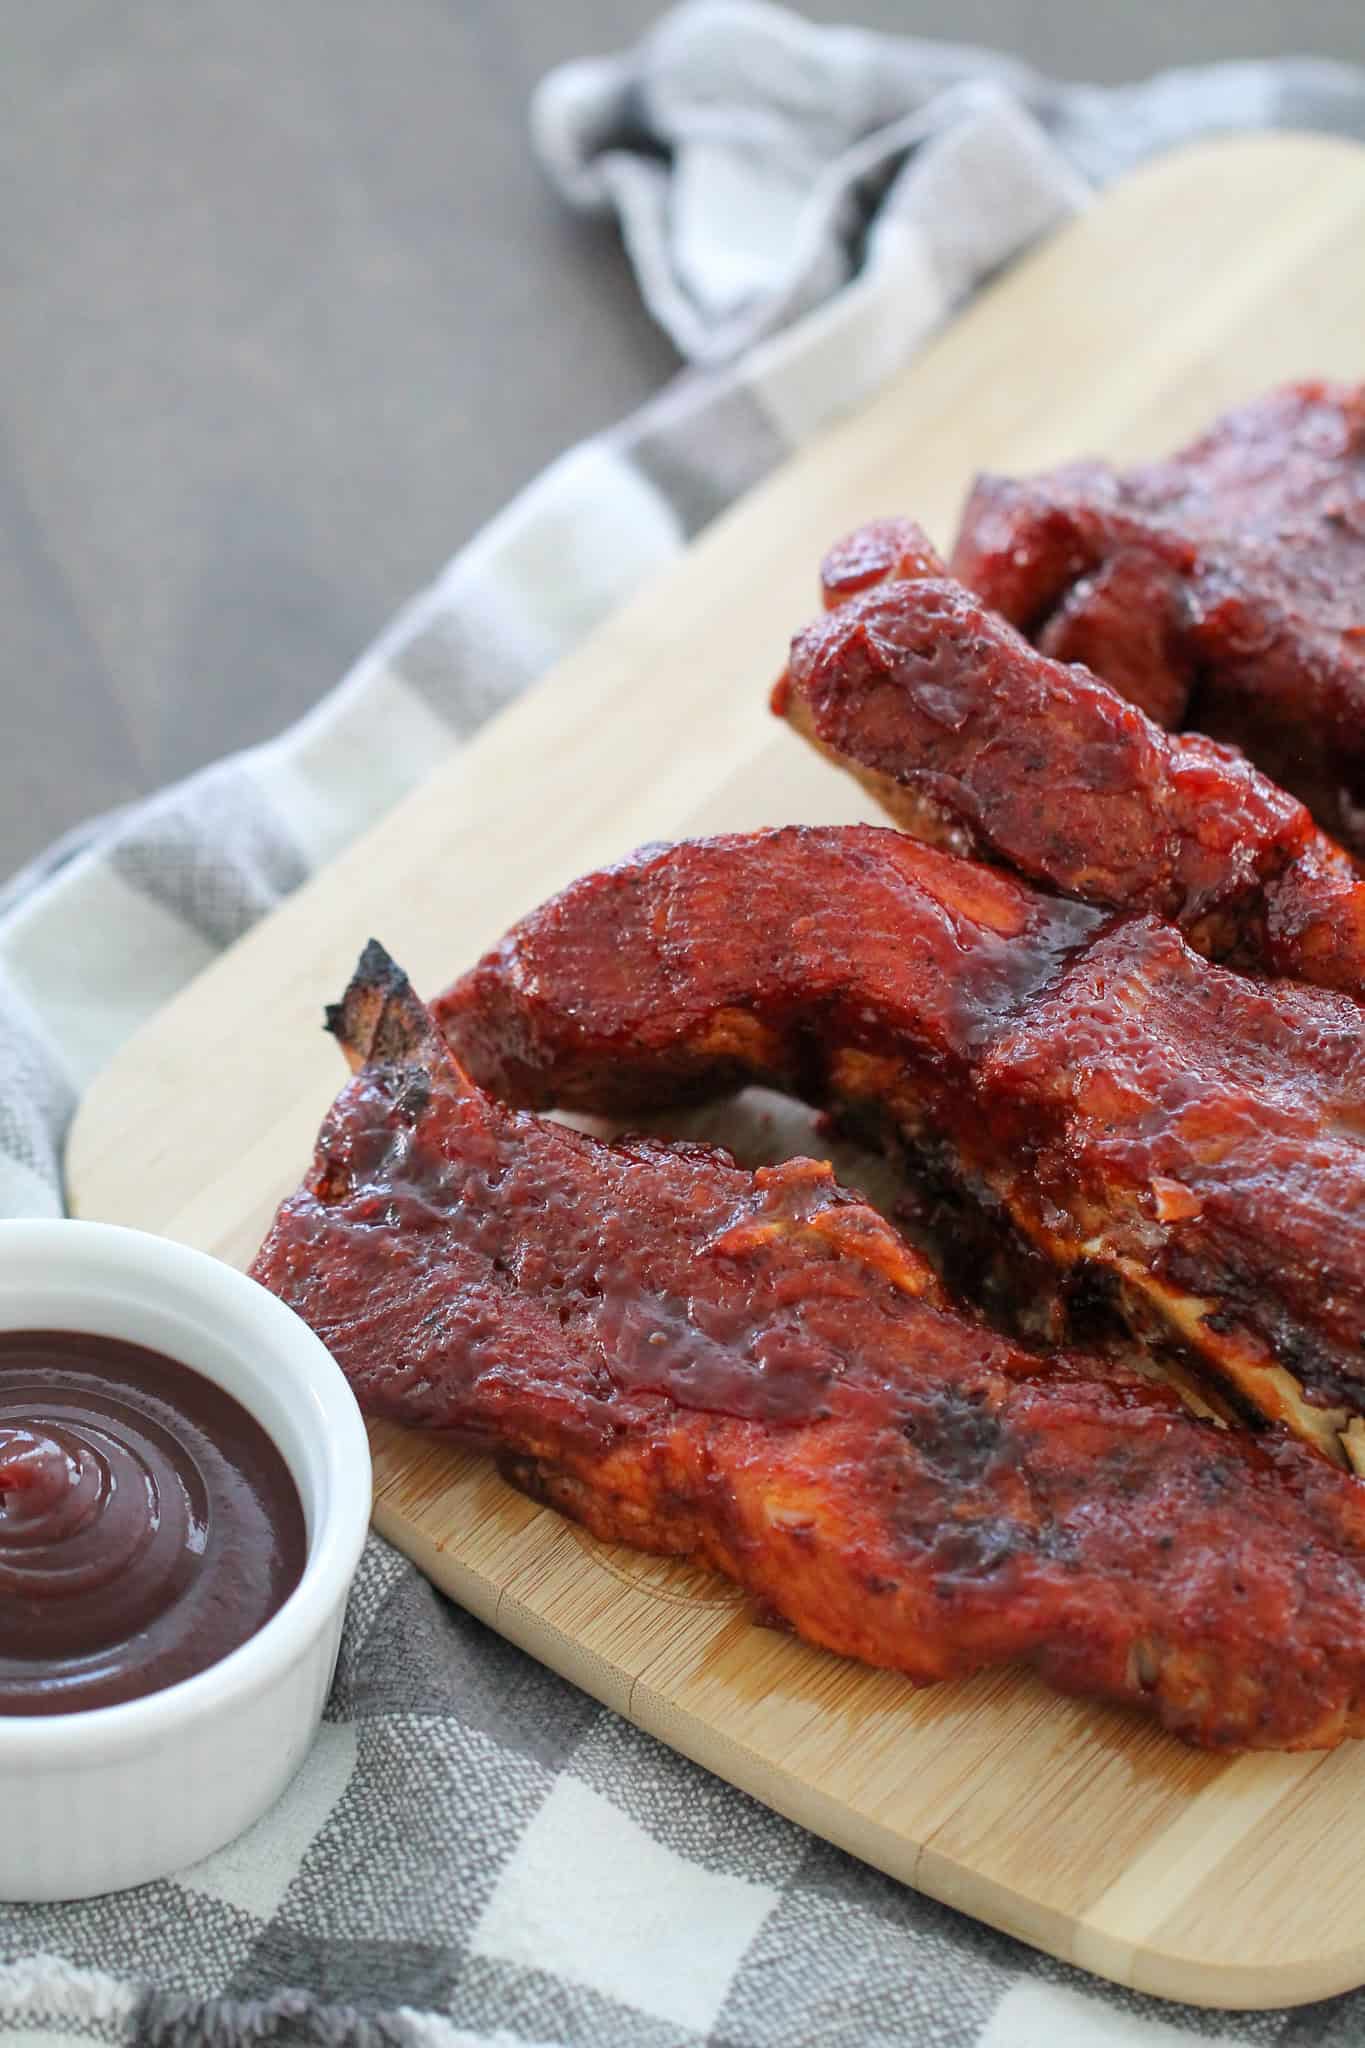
x=1079 y=1829
x=518 y=1575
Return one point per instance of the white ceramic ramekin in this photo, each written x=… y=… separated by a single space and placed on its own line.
x=111 y=1797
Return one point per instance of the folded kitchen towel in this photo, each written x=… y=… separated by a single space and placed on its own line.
x=475 y=1852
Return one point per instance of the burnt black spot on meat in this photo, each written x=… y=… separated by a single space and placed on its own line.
x=973 y=1549
x=1214 y=1481
x=954 y=1431
x=1059 y=1544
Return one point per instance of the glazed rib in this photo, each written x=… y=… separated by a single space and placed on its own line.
x=1223 y=589
x=972 y=739
x=1193 y=1137
x=755 y=1372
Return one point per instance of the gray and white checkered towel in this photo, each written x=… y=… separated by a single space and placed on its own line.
x=475 y=1852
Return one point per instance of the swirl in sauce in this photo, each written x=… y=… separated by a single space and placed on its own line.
x=148 y=1525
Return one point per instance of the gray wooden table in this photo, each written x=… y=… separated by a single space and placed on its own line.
x=288 y=312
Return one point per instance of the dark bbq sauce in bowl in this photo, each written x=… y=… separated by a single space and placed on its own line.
x=148 y=1524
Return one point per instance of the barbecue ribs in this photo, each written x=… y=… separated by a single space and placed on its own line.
x=1224 y=588
x=972 y=739
x=1190 y=1138
x=755 y=1372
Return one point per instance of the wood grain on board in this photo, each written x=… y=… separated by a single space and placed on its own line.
x=1220 y=270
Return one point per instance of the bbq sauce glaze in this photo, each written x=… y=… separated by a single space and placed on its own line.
x=148 y=1525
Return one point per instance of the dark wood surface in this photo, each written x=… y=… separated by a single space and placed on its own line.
x=288 y=312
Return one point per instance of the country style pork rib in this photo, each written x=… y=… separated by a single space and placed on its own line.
x=755 y=1372
x=1191 y=1136
x=1223 y=589
x=973 y=739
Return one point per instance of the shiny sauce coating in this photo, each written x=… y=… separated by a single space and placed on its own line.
x=148 y=1525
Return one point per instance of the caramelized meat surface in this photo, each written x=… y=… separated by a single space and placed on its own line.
x=1222 y=589
x=1192 y=1137
x=973 y=739
x=755 y=1372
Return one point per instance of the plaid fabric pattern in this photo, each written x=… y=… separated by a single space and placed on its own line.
x=475 y=1852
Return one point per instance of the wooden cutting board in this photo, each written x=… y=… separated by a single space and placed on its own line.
x=1085 y=1831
